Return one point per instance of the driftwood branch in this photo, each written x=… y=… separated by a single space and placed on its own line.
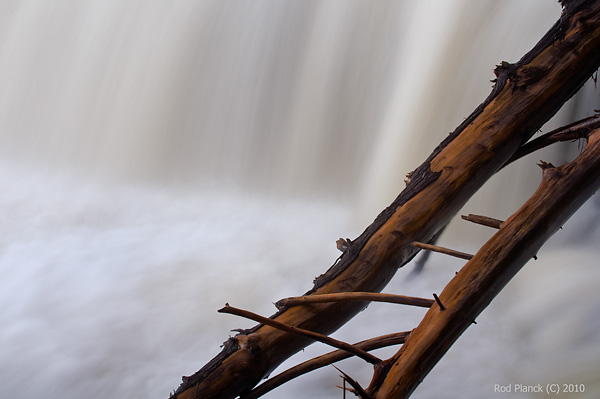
x=325 y=360
x=354 y=296
x=303 y=333
x=574 y=131
x=562 y=191
x=524 y=97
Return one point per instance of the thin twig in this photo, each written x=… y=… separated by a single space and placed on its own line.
x=305 y=333
x=440 y=304
x=442 y=250
x=574 y=131
x=422 y=260
x=358 y=390
x=324 y=360
x=483 y=220
x=354 y=296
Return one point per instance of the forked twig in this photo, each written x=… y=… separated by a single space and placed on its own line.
x=574 y=131
x=302 y=332
x=324 y=360
x=358 y=390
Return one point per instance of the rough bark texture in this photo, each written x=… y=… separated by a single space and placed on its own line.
x=562 y=191
x=525 y=96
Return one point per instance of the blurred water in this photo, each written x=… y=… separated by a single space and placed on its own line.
x=162 y=158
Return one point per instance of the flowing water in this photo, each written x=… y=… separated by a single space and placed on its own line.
x=162 y=158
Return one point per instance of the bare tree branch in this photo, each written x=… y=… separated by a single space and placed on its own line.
x=575 y=131
x=524 y=97
x=562 y=191
x=304 y=333
x=354 y=296
x=324 y=360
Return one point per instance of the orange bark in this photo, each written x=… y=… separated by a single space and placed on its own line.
x=562 y=191
x=525 y=96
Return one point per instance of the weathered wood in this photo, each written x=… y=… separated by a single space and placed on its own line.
x=442 y=250
x=304 y=333
x=483 y=220
x=562 y=191
x=524 y=97
x=324 y=360
x=354 y=296
x=358 y=390
x=574 y=131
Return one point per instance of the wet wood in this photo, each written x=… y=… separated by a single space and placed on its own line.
x=562 y=191
x=483 y=220
x=442 y=250
x=354 y=296
x=324 y=360
x=525 y=96
x=303 y=333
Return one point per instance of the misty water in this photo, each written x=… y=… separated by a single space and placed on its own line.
x=159 y=159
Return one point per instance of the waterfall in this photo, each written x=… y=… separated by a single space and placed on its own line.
x=162 y=158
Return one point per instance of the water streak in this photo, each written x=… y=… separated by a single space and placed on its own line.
x=162 y=158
